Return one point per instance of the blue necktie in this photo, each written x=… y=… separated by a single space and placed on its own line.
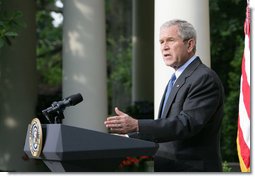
x=168 y=91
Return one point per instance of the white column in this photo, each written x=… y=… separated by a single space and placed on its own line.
x=194 y=11
x=84 y=63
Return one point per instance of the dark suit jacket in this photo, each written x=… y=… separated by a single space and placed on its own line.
x=188 y=131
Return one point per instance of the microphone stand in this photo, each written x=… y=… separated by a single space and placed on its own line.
x=57 y=116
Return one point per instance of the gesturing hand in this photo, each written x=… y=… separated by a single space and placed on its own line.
x=122 y=123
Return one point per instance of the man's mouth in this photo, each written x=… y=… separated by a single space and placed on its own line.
x=167 y=55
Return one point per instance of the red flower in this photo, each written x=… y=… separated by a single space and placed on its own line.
x=129 y=161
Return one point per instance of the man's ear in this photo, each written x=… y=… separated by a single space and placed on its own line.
x=190 y=45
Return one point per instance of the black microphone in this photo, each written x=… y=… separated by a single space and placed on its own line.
x=71 y=100
x=58 y=107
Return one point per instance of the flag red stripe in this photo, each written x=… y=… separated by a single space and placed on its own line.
x=245 y=151
x=247 y=22
x=245 y=89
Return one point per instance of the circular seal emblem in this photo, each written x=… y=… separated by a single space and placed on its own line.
x=35 y=137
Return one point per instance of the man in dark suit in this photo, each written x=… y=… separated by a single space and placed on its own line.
x=190 y=115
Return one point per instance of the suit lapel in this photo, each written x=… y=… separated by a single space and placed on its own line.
x=178 y=84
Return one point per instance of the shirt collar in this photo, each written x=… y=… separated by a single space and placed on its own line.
x=179 y=71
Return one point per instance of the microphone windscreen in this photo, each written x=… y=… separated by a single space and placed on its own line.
x=75 y=99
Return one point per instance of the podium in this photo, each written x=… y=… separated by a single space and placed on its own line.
x=66 y=148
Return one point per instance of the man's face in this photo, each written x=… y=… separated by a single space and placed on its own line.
x=174 y=50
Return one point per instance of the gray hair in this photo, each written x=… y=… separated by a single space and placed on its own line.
x=186 y=30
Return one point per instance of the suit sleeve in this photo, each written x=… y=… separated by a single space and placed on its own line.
x=196 y=110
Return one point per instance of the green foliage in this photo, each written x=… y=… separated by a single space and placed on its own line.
x=49 y=45
x=49 y=55
x=120 y=61
x=227 y=39
x=229 y=128
x=119 y=68
x=226 y=27
x=226 y=167
x=119 y=52
x=10 y=24
x=50 y=70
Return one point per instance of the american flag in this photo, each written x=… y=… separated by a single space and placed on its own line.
x=243 y=130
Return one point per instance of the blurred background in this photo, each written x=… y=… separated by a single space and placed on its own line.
x=39 y=64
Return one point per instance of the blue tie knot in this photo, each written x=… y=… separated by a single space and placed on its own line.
x=172 y=80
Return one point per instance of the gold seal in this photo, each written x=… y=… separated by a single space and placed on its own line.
x=35 y=137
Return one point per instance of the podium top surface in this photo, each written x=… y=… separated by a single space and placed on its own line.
x=63 y=142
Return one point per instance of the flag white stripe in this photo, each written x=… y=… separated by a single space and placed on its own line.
x=244 y=119
x=247 y=58
x=252 y=4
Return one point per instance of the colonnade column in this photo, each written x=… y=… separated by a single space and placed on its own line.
x=84 y=62
x=195 y=12
x=18 y=91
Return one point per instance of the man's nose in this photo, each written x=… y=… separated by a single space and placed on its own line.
x=165 y=46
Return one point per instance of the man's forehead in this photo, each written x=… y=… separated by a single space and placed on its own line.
x=171 y=27
x=169 y=32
